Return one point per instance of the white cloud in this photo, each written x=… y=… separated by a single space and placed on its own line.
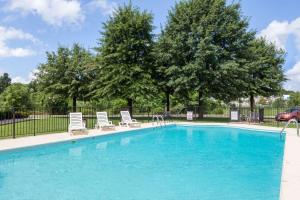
x=294 y=78
x=105 y=6
x=54 y=12
x=30 y=77
x=276 y=32
x=19 y=79
x=10 y=33
x=279 y=31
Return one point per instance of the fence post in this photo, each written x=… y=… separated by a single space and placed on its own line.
x=148 y=111
x=14 y=123
x=277 y=110
x=67 y=120
x=33 y=121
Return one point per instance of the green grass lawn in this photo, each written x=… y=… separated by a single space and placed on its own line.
x=31 y=127
x=48 y=125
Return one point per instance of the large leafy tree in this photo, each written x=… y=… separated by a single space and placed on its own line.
x=294 y=99
x=206 y=41
x=162 y=74
x=66 y=73
x=5 y=81
x=16 y=95
x=265 y=76
x=125 y=56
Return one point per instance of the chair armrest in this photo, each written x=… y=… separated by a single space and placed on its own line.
x=134 y=120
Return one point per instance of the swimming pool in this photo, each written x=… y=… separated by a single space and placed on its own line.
x=173 y=162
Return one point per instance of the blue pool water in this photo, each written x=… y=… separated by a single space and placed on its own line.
x=170 y=163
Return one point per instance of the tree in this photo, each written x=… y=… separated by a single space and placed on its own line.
x=294 y=99
x=206 y=40
x=16 y=95
x=162 y=75
x=279 y=103
x=80 y=66
x=124 y=56
x=66 y=73
x=5 y=81
x=265 y=76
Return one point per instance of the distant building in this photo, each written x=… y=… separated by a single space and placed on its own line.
x=286 y=97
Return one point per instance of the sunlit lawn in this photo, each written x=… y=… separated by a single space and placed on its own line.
x=48 y=125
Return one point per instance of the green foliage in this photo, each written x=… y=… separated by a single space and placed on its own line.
x=66 y=73
x=54 y=100
x=213 y=106
x=8 y=114
x=125 y=56
x=201 y=48
x=264 y=63
x=5 y=81
x=279 y=103
x=204 y=52
x=162 y=76
x=262 y=101
x=294 y=99
x=16 y=95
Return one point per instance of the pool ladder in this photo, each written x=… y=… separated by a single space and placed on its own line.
x=287 y=124
x=159 y=119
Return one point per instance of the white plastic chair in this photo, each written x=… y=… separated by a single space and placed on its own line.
x=102 y=121
x=127 y=121
x=76 y=122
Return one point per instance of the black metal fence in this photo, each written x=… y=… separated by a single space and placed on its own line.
x=263 y=115
x=18 y=122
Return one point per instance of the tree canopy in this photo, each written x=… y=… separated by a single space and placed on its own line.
x=264 y=64
x=205 y=55
x=206 y=40
x=294 y=99
x=16 y=95
x=125 y=56
x=5 y=81
x=66 y=73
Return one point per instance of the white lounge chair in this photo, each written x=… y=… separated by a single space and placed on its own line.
x=127 y=121
x=102 y=121
x=189 y=115
x=76 y=122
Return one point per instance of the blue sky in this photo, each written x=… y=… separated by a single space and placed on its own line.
x=28 y=28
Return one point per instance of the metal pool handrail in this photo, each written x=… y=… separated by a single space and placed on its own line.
x=158 y=121
x=288 y=123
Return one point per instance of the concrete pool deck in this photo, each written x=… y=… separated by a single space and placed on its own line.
x=290 y=180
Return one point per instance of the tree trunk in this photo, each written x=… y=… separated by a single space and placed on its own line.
x=200 y=105
x=252 y=107
x=74 y=104
x=252 y=103
x=168 y=101
x=129 y=104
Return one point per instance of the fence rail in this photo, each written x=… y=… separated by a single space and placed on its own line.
x=18 y=122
